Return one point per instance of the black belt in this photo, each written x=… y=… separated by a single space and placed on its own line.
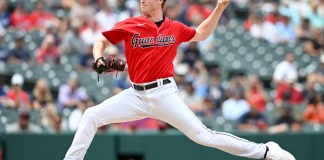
x=149 y=86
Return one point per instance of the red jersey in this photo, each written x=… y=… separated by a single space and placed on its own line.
x=40 y=18
x=257 y=100
x=20 y=20
x=150 y=50
x=44 y=54
x=296 y=97
x=24 y=98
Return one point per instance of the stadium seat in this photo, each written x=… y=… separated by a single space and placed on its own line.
x=9 y=115
x=239 y=30
x=35 y=116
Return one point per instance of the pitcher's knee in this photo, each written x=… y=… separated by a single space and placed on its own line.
x=90 y=114
x=201 y=137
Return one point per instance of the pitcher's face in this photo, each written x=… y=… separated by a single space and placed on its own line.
x=149 y=6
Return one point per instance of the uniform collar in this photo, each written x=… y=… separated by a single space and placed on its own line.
x=165 y=24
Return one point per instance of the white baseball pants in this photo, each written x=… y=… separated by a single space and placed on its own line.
x=163 y=103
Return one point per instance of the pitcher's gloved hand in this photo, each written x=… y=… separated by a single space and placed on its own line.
x=108 y=65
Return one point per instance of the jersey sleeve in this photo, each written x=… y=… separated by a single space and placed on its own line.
x=116 y=34
x=185 y=33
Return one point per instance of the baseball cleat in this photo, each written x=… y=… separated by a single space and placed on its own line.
x=277 y=153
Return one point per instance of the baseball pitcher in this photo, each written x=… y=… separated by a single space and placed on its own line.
x=151 y=42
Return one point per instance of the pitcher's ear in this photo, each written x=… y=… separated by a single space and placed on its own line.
x=163 y=3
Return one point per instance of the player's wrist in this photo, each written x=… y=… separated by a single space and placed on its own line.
x=222 y=4
x=220 y=7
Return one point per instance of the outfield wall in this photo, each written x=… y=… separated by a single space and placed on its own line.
x=149 y=146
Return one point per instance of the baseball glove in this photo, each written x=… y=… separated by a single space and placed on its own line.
x=112 y=64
